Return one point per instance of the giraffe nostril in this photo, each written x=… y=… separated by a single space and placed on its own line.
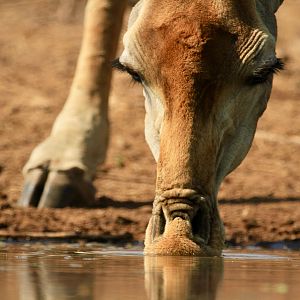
x=201 y=224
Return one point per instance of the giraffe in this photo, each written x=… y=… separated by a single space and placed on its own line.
x=206 y=68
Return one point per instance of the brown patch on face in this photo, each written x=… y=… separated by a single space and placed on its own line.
x=188 y=54
x=193 y=38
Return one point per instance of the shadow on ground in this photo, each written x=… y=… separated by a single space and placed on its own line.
x=106 y=202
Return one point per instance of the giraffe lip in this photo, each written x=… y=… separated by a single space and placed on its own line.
x=179 y=193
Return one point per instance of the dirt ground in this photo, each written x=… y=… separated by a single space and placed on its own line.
x=39 y=44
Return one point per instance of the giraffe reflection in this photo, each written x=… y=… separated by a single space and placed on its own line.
x=184 y=278
x=44 y=280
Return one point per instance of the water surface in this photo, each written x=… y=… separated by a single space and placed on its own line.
x=93 y=271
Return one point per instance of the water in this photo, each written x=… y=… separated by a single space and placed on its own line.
x=38 y=272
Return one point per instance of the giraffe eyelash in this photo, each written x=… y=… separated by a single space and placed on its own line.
x=261 y=74
x=134 y=75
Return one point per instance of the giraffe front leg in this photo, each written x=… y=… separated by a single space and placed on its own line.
x=61 y=169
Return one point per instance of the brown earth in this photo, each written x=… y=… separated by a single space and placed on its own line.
x=39 y=45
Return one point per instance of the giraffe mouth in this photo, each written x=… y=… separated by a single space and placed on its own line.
x=180 y=215
x=195 y=214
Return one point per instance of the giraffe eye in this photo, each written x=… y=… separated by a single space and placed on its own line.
x=134 y=75
x=263 y=73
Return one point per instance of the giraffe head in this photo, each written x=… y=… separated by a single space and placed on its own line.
x=206 y=68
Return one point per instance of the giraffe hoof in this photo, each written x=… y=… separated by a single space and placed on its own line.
x=33 y=187
x=57 y=189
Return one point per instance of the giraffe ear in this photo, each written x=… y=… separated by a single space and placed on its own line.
x=275 y=4
x=267 y=10
x=271 y=5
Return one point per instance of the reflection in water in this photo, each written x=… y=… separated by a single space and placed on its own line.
x=45 y=280
x=166 y=278
x=33 y=273
x=182 y=278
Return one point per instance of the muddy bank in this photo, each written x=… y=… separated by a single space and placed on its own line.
x=247 y=221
